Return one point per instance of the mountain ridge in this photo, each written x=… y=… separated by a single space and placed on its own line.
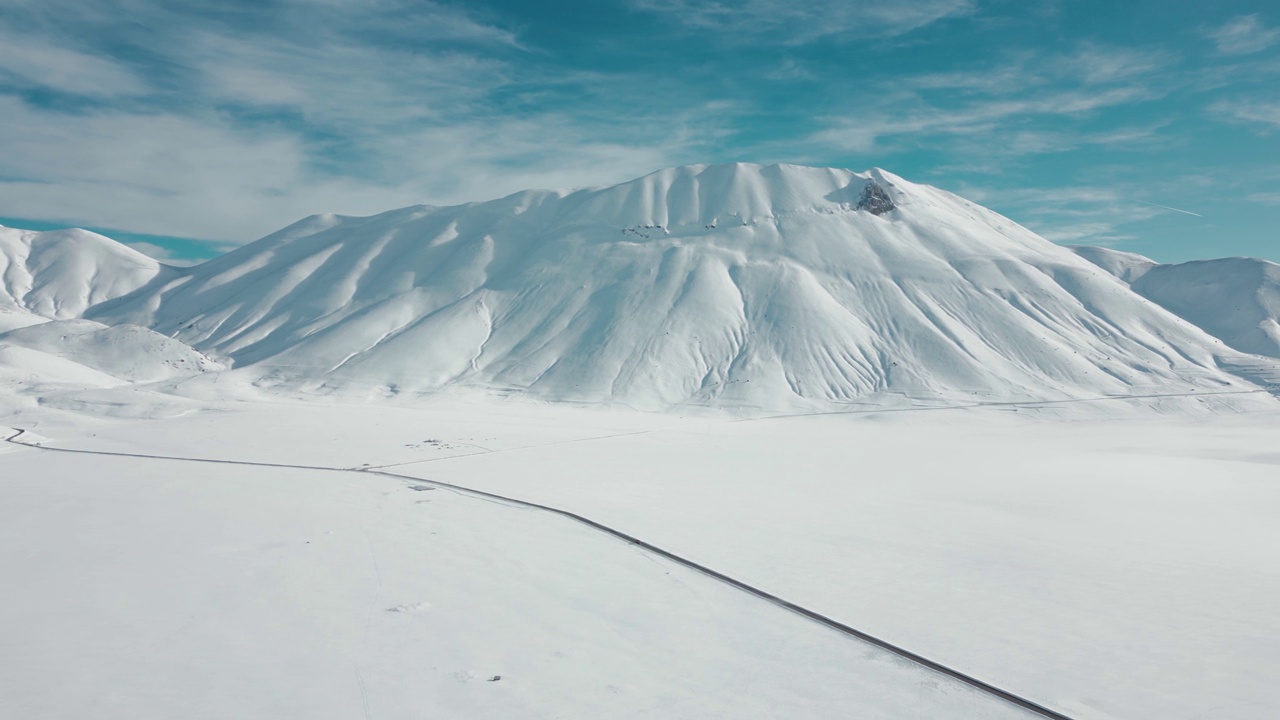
x=712 y=284
x=730 y=285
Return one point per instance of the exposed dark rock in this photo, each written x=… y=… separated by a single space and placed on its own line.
x=875 y=199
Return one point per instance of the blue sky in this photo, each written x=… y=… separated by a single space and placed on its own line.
x=171 y=123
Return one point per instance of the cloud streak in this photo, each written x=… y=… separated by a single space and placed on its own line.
x=1244 y=35
x=33 y=64
x=1249 y=112
x=994 y=105
x=300 y=106
x=1173 y=209
x=791 y=23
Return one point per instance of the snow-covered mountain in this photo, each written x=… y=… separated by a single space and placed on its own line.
x=47 y=280
x=1234 y=299
x=58 y=274
x=724 y=284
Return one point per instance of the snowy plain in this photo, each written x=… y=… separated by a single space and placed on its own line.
x=1106 y=568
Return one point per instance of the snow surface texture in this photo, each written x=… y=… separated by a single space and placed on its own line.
x=1234 y=299
x=727 y=285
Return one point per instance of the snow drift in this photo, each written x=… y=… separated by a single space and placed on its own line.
x=738 y=284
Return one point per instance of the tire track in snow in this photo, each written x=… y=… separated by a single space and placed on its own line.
x=812 y=615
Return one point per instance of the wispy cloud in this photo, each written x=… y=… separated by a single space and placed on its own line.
x=789 y=69
x=136 y=171
x=1094 y=64
x=985 y=117
x=1244 y=35
x=28 y=63
x=1267 y=198
x=276 y=110
x=792 y=23
x=1082 y=214
x=999 y=109
x=1250 y=112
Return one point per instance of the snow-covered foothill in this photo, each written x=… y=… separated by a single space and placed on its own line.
x=128 y=352
x=59 y=274
x=13 y=318
x=1237 y=300
x=36 y=372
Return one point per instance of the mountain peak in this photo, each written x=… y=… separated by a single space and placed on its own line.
x=61 y=273
x=738 y=284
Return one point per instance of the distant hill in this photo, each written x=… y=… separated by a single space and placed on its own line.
x=1237 y=300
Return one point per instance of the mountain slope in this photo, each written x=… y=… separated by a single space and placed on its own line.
x=729 y=284
x=59 y=274
x=127 y=352
x=47 y=281
x=1234 y=299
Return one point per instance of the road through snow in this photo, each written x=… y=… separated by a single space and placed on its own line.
x=849 y=631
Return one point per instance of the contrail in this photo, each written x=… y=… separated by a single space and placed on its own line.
x=1166 y=207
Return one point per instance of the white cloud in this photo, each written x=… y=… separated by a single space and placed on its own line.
x=1094 y=64
x=1244 y=35
x=1001 y=110
x=342 y=84
x=797 y=22
x=1088 y=65
x=984 y=117
x=1267 y=198
x=422 y=21
x=46 y=65
x=789 y=70
x=1249 y=112
x=202 y=177
x=350 y=108
x=1084 y=214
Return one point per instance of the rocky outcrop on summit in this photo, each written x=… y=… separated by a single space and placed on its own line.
x=875 y=199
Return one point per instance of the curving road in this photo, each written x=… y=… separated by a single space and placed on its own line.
x=852 y=632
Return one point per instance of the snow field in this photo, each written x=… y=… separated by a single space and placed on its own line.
x=147 y=588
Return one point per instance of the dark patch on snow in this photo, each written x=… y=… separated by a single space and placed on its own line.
x=875 y=199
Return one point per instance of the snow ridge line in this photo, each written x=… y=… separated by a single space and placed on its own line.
x=848 y=630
